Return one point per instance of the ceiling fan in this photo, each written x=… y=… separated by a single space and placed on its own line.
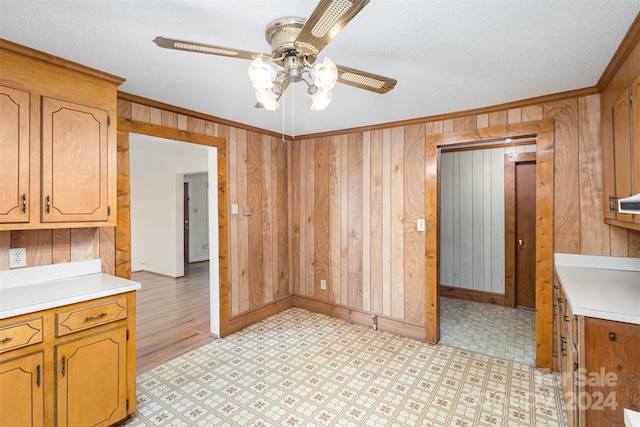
x=295 y=44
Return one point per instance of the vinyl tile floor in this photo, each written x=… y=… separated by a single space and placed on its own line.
x=497 y=331
x=300 y=368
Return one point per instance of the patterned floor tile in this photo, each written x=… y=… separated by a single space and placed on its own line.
x=299 y=368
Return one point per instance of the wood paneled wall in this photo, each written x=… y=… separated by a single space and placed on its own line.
x=355 y=201
x=258 y=235
x=46 y=247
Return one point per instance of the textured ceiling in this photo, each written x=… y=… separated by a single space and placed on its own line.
x=446 y=55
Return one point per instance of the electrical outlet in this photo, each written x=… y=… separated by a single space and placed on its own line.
x=455 y=274
x=234 y=209
x=323 y=284
x=17 y=257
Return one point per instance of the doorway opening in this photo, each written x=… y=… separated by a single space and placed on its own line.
x=169 y=258
x=476 y=251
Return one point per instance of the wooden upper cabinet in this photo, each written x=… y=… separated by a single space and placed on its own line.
x=74 y=162
x=58 y=148
x=608 y=170
x=622 y=150
x=14 y=161
x=635 y=137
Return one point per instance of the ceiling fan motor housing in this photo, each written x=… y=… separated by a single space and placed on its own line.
x=281 y=34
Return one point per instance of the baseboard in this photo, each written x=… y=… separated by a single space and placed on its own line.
x=383 y=323
x=243 y=320
x=473 y=295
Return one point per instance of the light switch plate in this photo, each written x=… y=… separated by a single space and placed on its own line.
x=17 y=257
x=422 y=225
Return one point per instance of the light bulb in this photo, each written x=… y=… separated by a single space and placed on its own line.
x=261 y=74
x=326 y=74
x=268 y=99
x=321 y=99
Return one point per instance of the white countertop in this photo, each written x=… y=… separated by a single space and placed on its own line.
x=601 y=287
x=28 y=290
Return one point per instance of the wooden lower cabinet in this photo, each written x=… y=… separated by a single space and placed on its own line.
x=91 y=380
x=69 y=366
x=22 y=391
x=599 y=363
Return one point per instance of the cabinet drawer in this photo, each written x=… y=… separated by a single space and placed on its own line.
x=20 y=334
x=78 y=319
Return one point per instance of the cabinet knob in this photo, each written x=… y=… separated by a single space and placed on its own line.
x=612 y=336
x=520 y=242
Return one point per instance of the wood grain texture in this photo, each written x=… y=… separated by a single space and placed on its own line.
x=255 y=242
x=594 y=234
x=322 y=236
x=61 y=246
x=397 y=291
x=234 y=250
x=432 y=243
x=355 y=221
x=243 y=294
x=414 y=191
x=334 y=283
x=107 y=249
x=5 y=245
x=123 y=224
x=386 y=222
x=376 y=222
x=366 y=221
x=567 y=184
x=294 y=214
x=344 y=220
x=38 y=244
x=310 y=220
x=85 y=244
x=283 y=271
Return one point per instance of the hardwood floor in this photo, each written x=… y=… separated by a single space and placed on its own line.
x=172 y=314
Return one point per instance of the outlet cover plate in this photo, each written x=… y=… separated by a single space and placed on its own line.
x=17 y=257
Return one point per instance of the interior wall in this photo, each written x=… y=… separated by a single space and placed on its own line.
x=472 y=218
x=258 y=236
x=157 y=200
x=198 y=216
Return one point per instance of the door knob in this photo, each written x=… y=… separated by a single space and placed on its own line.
x=520 y=242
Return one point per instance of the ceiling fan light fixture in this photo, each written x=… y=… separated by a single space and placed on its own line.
x=320 y=98
x=261 y=74
x=326 y=74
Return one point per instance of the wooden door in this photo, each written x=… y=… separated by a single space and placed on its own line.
x=92 y=373
x=22 y=395
x=525 y=271
x=622 y=150
x=14 y=160
x=186 y=222
x=74 y=162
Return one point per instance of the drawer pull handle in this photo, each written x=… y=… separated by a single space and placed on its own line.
x=48 y=204
x=24 y=203
x=97 y=316
x=64 y=365
x=5 y=340
x=38 y=375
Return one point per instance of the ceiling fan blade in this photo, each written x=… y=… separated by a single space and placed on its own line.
x=326 y=21
x=364 y=80
x=206 y=48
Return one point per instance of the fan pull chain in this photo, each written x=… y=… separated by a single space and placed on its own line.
x=283 y=109
x=293 y=112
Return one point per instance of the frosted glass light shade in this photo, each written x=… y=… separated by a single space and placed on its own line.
x=320 y=99
x=261 y=74
x=268 y=99
x=326 y=74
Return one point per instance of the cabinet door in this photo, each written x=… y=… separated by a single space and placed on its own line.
x=613 y=361
x=608 y=169
x=91 y=380
x=22 y=396
x=635 y=137
x=622 y=150
x=74 y=162
x=14 y=161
